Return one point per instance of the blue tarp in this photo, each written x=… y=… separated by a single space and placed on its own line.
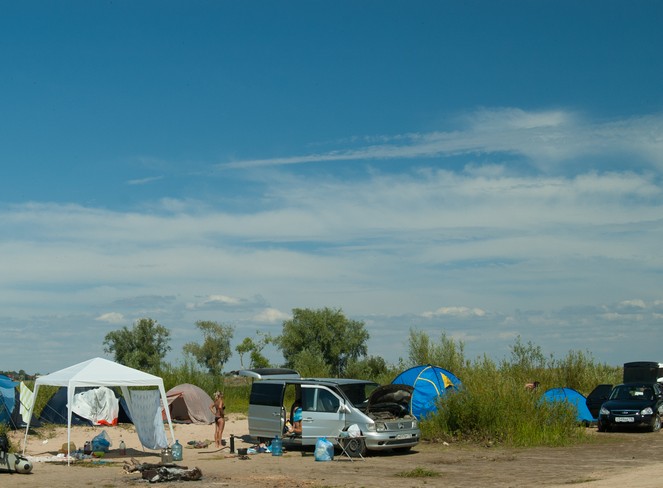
x=7 y=398
x=572 y=397
x=429 y=382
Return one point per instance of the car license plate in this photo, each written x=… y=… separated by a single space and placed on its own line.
x=403 y=436
x=624 y=419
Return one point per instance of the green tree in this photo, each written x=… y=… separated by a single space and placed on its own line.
x=143 y=347
x=215 y=350
x=323 y=332
x=447 y=354
x=254 y=350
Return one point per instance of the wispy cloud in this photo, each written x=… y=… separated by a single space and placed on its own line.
x=145 y=181
x=546 y=138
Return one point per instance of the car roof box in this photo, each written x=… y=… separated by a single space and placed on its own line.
x=268 y=373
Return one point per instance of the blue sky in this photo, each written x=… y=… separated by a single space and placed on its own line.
x=484 y=169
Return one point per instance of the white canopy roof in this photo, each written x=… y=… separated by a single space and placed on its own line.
x=99 y=372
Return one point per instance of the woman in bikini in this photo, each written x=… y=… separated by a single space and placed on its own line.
x=218 y=408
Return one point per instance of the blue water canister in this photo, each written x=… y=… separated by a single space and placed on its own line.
x=177 y=451
x=277 y=446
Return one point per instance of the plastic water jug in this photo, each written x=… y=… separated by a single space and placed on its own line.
x=277 y=446
x=123 y=448
x=166 y=455
x=177 y=451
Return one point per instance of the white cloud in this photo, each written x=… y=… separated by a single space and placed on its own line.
x=545 y=137
x=111 y=318
x=145 y=181
x=455 y=312
x=271 y=315
x=212 y=300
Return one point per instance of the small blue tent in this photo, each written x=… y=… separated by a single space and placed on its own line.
x=429 y=382
x=571 y=396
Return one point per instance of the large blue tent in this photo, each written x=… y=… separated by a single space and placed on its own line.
x=573 y=398
x=430 y=383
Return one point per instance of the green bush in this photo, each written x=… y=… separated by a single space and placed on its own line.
x=494 y=406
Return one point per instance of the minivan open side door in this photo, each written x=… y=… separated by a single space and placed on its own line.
x=266 y=413
x=321 y=413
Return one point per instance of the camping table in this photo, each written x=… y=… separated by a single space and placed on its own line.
x=344 y=442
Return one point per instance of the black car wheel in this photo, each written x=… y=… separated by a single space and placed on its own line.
x=656 y=426
x=602 y=427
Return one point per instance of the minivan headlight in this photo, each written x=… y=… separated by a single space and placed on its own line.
x=604 y=411
x=647 y=411
x=370 y=427
x=380 y=427
x=414 y=423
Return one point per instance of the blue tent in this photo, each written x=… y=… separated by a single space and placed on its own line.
x=569 y=395
x=7 y=399
x=429 y=382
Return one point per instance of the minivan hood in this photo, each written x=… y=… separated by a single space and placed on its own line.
x=400 y=394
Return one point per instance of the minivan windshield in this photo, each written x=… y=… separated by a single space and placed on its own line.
x=358 y=393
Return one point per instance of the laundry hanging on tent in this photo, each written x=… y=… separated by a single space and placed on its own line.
x=146 y=415
x=99 y=405
x=27 y=398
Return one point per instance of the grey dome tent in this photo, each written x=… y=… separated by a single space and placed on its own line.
x=190 y=404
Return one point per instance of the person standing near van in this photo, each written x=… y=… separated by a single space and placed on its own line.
x=218 y=408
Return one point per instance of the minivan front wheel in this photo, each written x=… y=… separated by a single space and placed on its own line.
x=355 y=447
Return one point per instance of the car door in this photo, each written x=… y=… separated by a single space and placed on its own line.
x=321 y=413
x=266 y=413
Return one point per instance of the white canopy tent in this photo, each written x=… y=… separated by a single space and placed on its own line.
x=98 y=372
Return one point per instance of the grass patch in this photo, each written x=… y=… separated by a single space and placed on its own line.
x=418 y=472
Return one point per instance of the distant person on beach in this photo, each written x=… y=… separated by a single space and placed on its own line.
x=218 y=408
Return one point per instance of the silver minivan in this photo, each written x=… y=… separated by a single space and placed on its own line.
x=330 y=406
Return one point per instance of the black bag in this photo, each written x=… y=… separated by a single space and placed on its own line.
x=4 y=443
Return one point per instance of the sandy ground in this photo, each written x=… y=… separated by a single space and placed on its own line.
x=609 y=460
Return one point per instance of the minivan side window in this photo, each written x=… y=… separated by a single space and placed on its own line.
x=268 y=394
x=327 y=401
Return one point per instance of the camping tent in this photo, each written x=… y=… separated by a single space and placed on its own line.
x=430 y=383
x=13 y=400
x=190 y=404
x=56 y=412
x=102 y=372
x=8 y=403
x=573 y=398
x=92 y=406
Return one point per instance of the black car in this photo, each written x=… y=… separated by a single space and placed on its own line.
x=632 y=405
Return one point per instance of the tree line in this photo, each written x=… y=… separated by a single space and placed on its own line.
x=324 y=341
